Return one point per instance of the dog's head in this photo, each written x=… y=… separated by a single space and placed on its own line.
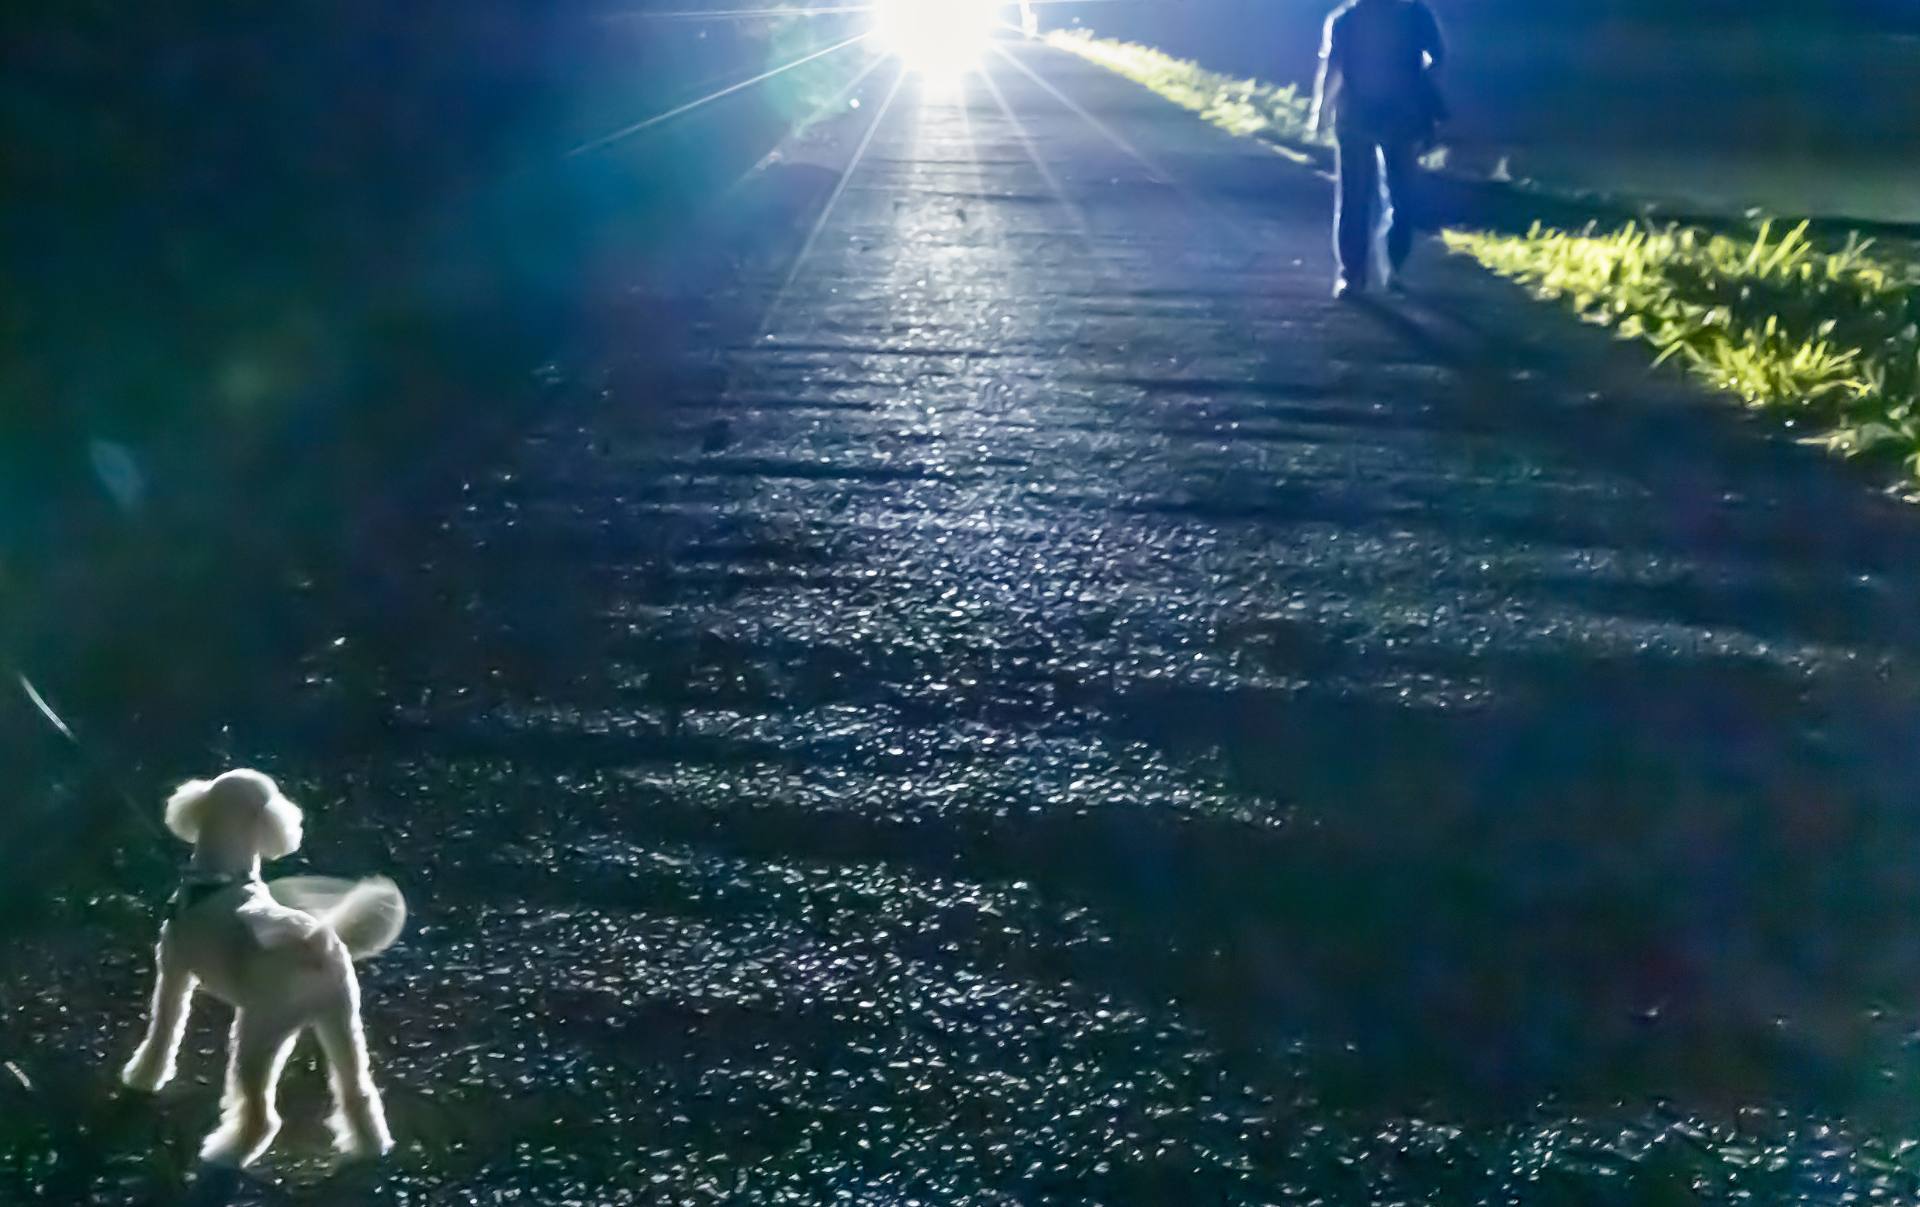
x=241 y=813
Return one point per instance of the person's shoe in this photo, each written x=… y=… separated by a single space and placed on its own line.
x=1343 y=288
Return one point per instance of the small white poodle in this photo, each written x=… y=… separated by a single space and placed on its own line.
x=281 y=955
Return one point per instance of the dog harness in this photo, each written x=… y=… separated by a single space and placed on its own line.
x=196 y=887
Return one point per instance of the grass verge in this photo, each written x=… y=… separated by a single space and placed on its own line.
x=1825 y=336
x=1827 y=339
x=1277 y=113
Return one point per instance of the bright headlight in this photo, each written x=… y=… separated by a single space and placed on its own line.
x=935 y=37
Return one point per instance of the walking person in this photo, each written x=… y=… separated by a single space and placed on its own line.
x=1376 y=81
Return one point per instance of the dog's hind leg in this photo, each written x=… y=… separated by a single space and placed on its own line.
x=256 y=1052
x=152 y=1063
x=359 y=1121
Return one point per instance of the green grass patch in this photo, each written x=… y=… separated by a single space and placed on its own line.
x=1824 y=333
x=1278 y=113
x=1827 y=338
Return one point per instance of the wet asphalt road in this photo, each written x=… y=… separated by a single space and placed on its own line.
x=1068 y=713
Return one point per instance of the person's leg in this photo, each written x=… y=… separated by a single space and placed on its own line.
x=1403 y=204
x=1359 y=171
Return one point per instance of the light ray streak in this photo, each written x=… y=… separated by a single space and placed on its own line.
x=1213 y=214
x=820 y=112
x=739 y=14
x=990 y=221
x=826 y=211
x=988 y=218
x=846 y=90
x=757 y=14
x=1154 y=170
x=973 y=145
x=629 y=131
x=1040 y=164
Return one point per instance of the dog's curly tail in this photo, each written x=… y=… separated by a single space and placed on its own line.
x=369 y=918
x=368 y=915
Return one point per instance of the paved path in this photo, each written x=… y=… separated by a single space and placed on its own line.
x=1070 y=713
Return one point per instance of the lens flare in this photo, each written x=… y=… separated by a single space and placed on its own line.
x=937 y=38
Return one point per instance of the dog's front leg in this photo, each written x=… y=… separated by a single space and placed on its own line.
x=152 y=1063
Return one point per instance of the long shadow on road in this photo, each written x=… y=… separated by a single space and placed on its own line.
x=1063 y=711
x=1435 y=711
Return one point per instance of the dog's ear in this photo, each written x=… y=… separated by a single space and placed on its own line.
x=185 y=811
x=279 y=827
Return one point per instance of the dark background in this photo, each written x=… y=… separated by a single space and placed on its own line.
x=277 y=274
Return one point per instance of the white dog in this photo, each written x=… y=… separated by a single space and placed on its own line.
x=281 y=955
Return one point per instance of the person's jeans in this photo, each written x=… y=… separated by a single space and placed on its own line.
x=1362 y=157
